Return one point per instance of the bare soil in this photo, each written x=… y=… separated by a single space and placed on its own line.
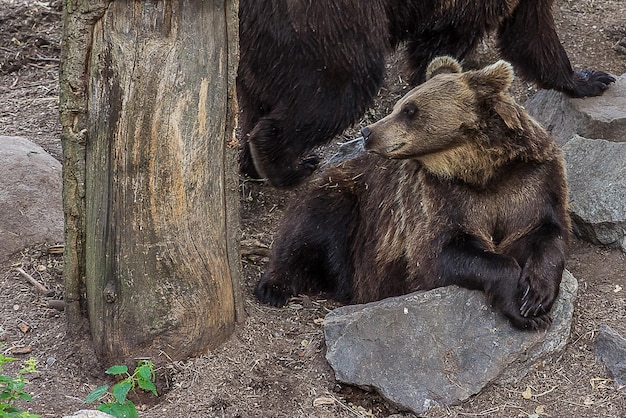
x=274 y=365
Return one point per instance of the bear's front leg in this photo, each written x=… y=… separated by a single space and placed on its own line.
x=542 y=257
x=465 y=262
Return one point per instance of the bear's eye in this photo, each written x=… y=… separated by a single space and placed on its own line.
x=409 y=110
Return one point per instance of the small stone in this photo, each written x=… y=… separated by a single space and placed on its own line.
x=16 y=307
x=611 y=351
x=59 y=305
x=23 y=327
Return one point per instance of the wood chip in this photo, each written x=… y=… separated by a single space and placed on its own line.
x=23 y=327
x=323 y=400
x=21 y=350
x=56 y=249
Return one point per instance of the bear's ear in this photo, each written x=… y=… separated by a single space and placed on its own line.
x=442 y=65
x=492 y=79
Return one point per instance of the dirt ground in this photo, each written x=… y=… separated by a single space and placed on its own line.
x=274 y=364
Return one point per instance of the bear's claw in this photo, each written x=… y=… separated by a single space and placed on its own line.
x=588 y=83
x=272 y=295
x=531 y=323
x=309 y=163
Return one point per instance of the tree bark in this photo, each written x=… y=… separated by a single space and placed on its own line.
x=148 y=111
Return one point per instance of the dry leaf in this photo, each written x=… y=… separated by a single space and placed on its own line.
x=540 y=409
x=23 y=327
x=527 y=394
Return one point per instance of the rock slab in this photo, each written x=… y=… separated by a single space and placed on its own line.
x=592 y=133
x=611 y=350
x=596 y=174
x=438 y=347
x=31 y=208
x=591 y=117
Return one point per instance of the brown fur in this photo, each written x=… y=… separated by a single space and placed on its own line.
x=472 y=192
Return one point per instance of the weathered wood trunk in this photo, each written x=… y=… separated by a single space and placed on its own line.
x=148 y=110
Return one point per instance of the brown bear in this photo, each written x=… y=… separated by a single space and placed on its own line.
x=309 y=69
x=471 y=191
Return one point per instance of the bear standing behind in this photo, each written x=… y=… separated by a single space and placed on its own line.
x=471 y=191
x=309 y=69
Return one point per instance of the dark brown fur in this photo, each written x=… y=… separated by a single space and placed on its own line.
x=472 y=192
x=309 y=69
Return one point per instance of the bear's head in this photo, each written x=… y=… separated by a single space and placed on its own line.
x=448 y=122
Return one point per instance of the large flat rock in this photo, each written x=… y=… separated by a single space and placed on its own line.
x=31 y=208
x=438 y=347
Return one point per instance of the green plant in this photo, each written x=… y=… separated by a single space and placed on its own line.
x=12 y=389
x=118 y=405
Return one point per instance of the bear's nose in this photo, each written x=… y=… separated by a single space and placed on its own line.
x=365 y=131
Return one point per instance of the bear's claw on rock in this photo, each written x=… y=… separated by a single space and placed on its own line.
x=590 y=83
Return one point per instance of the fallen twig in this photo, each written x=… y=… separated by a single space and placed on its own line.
x=43 y=289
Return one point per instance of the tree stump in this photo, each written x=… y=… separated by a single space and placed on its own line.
x=148 y=109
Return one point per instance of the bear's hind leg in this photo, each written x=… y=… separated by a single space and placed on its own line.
x=279 y=154
x=311 y=252
x=428 y=45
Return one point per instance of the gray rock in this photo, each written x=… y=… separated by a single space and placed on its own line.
x=596 y=173
x=347 y=150
x=438 y=347
x=592 y=117
x=611 y=350
x=89 y=413
x=596 y=167
x=31 y=209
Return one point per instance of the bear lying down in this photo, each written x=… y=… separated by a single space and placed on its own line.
x=470 y=191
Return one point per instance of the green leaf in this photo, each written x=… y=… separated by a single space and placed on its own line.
x=126 y=410
x=96 y=394
x=25 y=396
x=4 y=360
x=117 y=370
x=145 y=371
x=120 y=390
x=147 y=385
